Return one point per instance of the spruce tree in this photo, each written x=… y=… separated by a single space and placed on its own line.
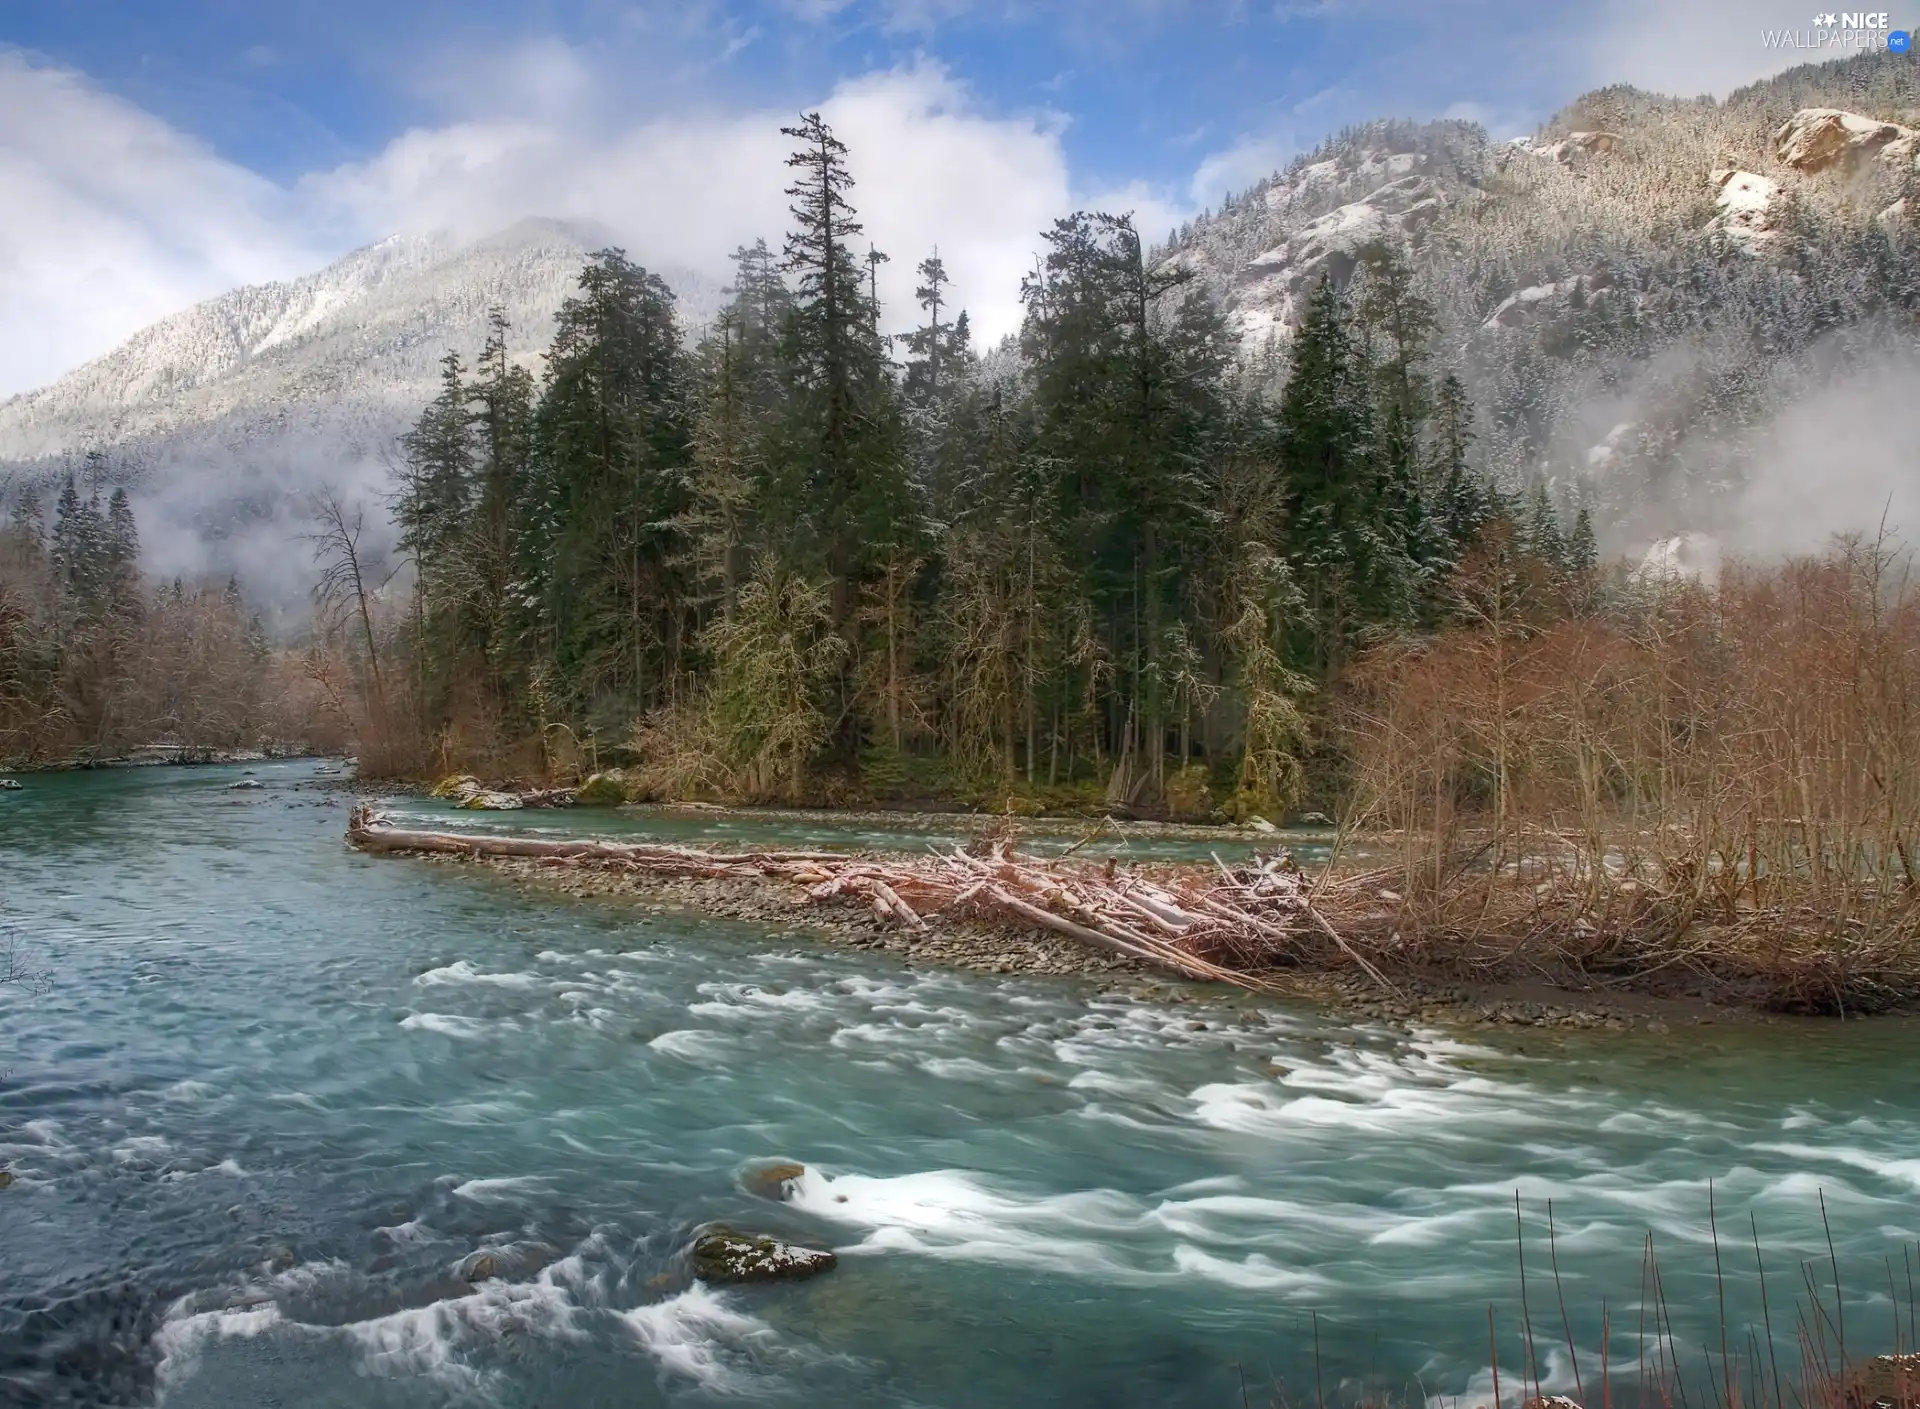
x=1346 y=538
x=601 y=552
x=833 y=358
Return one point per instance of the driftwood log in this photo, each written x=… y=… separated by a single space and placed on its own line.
x=1224 y=928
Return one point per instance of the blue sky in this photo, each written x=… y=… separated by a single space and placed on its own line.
x=1147 y=90
x=153 y=152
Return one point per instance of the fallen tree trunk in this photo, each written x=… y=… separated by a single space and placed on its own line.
x=1264 y=916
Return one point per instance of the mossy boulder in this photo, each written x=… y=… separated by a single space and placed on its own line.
x=719 y=1255
x=456 y=786
x=608 y=789
x=486 y=800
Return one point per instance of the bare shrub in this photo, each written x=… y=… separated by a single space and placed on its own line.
x=1722 y=779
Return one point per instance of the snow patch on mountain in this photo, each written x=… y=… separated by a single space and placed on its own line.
x=1747 y=207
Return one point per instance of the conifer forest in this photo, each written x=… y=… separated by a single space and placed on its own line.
x=797 y=559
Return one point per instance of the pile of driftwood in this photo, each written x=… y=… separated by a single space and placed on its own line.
x=1225 y=924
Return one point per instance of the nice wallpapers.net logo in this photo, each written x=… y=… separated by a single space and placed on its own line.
x=1844 y=30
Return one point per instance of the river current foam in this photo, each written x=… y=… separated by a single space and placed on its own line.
x=298 y=1126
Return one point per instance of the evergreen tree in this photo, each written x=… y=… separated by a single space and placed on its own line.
x=1583 y=552
x=936 y=348
x=436 y=486
x=601 y=553
x=832 y=353
x=500 y=407
x=1544 y=538
x=121 y=549
x=1347 y=536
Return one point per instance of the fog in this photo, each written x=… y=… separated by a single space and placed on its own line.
x=1840 y=457
x=1845 y=459
x=202 y=516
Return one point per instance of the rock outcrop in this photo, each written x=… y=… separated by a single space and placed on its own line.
x=774 y=1179
x=1274 y=286
x=1544 y=300
x=1683 y=556
x=470 y=795
x=1825 y=139
x=1571 y=148
x=508 y=1261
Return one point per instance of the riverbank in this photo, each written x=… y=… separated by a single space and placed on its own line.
x=988 y=947
x=161 y=756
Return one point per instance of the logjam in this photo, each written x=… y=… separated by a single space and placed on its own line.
x=1225 y=925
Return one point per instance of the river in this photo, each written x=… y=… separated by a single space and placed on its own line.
x=271 y=1092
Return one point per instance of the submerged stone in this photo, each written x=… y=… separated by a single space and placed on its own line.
x=772 y=1180
x=507 y=1261
x=721 y=1255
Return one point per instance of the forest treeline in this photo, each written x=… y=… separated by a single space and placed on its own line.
x=96 y=662
x=800 y=559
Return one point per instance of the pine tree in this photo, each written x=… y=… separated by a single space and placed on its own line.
x=1347 y=536
x=121 y=549
x=601 y=554
x=936 y=347
x=500 y=406
x=1583 y=551
x=1464 y=505
x=1544 y=538
x=437 y=474
x=831 y=352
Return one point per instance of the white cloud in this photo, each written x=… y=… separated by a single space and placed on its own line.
x=1247 y=161
x=1704 y=46
x=114 y=219
x=685 y=190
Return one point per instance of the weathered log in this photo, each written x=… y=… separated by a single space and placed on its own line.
x=1122 y=916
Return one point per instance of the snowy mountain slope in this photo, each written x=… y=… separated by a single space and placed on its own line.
x=226 y=415
x=1635 y=294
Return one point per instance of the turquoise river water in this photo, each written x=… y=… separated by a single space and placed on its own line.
x=269 y=1093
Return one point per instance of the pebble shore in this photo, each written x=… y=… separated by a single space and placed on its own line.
x=996 y=949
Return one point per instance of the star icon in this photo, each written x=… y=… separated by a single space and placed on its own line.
x=1825 y=21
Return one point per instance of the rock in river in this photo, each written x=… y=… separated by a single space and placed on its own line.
x=608 y=789
x=773 y=1179
x=466 y=792
x=721 y=1255
x=508 y=1261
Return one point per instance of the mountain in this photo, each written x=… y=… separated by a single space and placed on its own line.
x=224 y=416
x=1651 y=300
x=1676 y=312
